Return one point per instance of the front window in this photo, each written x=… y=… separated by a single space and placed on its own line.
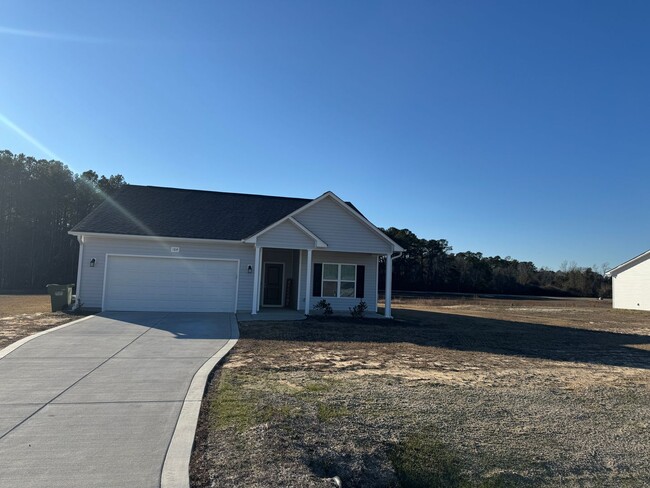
x=339 y=280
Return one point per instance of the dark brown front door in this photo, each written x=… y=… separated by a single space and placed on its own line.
x=273 y=284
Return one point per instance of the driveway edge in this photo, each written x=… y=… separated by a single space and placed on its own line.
x=15 y=345
x=176 y=467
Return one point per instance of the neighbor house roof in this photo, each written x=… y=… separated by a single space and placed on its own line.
x=173 y=212
x=629 y=263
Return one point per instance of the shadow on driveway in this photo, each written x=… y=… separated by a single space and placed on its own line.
x=179 y=325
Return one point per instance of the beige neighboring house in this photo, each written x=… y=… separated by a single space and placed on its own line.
x=631 y=283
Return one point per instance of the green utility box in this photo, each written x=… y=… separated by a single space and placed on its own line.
x=60 y=295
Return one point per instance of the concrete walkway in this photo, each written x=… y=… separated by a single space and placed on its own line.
x=95 y=404
x=271 y=315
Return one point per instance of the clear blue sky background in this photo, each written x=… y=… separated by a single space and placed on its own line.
x=507 y=127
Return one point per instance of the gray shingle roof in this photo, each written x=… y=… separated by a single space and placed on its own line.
x=173 y=212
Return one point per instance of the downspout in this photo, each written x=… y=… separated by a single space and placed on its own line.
x=77 y=296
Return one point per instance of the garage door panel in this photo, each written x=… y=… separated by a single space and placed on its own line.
x=170 y=284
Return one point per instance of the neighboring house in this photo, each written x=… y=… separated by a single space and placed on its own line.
x=168 y=249
x=631 y=283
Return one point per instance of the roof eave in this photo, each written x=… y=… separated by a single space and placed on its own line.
x=628 y=263
x=148 y=237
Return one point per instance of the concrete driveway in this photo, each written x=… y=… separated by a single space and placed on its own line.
x=95 y=404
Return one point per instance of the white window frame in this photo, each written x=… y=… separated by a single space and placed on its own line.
x=338 y=280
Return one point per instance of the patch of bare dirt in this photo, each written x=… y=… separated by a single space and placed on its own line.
x=24 y=315
x=517 y=393
x=16 y=327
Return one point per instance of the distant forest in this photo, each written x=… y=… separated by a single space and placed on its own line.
x=430 y=265
x=40 y=201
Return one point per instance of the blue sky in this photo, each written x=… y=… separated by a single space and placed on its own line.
x=512 y=128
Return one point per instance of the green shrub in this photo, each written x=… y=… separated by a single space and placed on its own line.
x=359 y=310
x=325 y=307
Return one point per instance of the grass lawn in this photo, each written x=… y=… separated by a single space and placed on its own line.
x=23 y=315
x=451 y=393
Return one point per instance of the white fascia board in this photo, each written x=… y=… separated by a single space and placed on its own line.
x=353 y=251
x=154 y=238
x=628 y=263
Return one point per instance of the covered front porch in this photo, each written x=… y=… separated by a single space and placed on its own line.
x=286 y=315
x=284 y=281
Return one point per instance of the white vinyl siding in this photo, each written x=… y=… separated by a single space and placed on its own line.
x=286 y=235
x=169 y=284
x=341 y=230
x=631 y=287
x=92 y=279
x=341 y=304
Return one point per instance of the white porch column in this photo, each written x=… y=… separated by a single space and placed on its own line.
x=256 y=280
x=389 y=285
x=308 y=282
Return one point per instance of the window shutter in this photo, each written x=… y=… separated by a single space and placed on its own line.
x=318 y=280
x=361 y=280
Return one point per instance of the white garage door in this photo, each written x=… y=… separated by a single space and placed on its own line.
x=170 y=284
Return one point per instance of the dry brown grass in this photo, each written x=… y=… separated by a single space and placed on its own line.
x=538 y=392
x=24 y=315
x=21 y=304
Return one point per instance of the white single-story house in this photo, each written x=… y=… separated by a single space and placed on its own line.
x=168 y=249
x=631 y=283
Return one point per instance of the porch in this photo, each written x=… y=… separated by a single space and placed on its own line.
x=286 y=315
x=294 y=280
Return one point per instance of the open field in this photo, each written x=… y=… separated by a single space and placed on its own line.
x=451 y=393
x=20 y=304
x=23 y=315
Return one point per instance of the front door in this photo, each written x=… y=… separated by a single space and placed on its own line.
x=273 y=277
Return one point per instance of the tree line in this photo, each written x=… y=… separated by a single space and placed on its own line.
x=430 y=265
x=40 y=201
